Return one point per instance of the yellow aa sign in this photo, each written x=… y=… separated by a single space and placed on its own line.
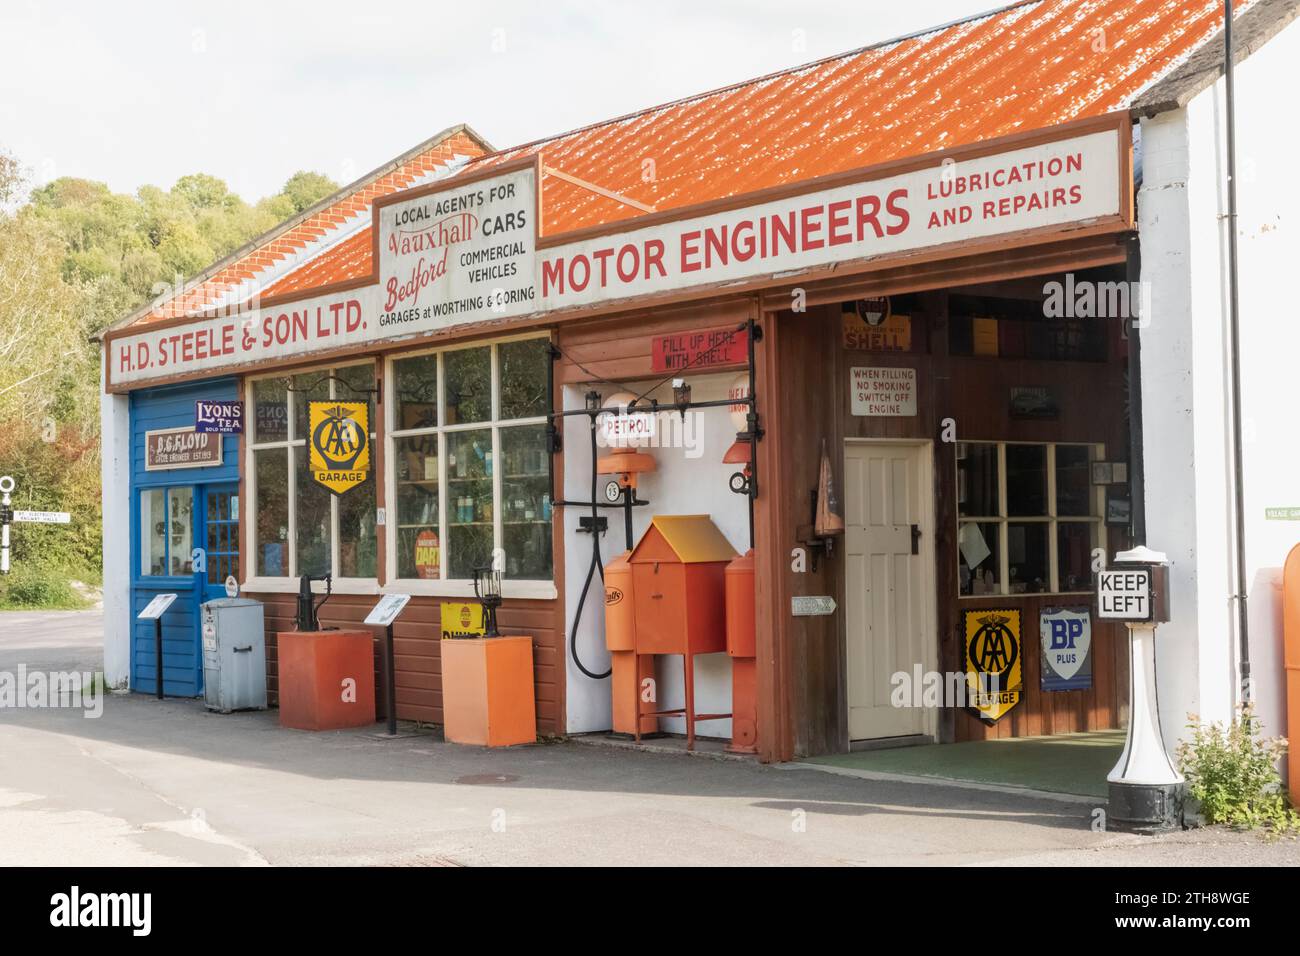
x=991 y=648
x=339 y=443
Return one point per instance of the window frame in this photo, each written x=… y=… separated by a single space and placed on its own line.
x=296 y=447
x=443 y=585
x=137 y=573
x=1051 y=519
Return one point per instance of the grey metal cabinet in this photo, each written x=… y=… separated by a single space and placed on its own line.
x=234 y=655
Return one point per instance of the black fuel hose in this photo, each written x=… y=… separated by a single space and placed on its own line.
x=592 y=568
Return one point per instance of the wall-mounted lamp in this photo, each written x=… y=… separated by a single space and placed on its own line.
x=681 y=395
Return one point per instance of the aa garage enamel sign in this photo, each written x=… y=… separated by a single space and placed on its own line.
x=339 y=443
x=992 y=651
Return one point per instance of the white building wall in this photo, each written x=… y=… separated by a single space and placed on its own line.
x=689 y=480
x=115 y=475
x=1186 y=379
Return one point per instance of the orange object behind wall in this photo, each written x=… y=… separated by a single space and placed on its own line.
x=1291 y=659
x=327 y=679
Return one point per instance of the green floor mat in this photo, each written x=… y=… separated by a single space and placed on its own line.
x=1069 y=763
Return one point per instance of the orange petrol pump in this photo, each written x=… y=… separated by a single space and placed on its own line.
x=627 y=670
x=741 y=646
x=742 y=635
x=1291 y=660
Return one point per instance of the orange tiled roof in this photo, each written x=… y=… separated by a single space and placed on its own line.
x=1032 y=65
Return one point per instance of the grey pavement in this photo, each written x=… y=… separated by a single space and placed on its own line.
x=168 y=783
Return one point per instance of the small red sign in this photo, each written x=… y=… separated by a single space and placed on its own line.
x=709 y=348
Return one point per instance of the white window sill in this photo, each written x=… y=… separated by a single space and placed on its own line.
x=290 y=586
x=519 y=590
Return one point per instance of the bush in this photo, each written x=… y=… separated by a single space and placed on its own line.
x=36 y=587
x=1233 y=774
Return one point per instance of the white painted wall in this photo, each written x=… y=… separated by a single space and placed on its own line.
x=115 y=473
x=1186 y=379
x=689 y=480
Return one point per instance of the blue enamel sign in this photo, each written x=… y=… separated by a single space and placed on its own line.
x=223 y=418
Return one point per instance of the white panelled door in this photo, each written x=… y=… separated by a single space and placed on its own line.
x=888 y=596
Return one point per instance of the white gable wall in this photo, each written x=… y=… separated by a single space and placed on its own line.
x=1186 y=377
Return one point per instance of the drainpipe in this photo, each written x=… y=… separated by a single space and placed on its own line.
x=1234 y=335
x=1136 y=471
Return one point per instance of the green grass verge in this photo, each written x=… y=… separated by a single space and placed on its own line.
x=49 y=589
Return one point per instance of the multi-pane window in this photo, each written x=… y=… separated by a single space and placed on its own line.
x=1028 y=518
x=470 y=463
x=299 y=527
x=166 y=531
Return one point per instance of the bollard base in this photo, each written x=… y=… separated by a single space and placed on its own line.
x=1145 y=807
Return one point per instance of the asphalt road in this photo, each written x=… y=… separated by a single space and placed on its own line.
x=167 y=783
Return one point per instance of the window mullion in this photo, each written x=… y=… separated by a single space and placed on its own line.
x=444 y=540
x=389 y=477
x=1004 y=537
x=334 y=499
x=292 y=543
x=498 y=541
x=498 y=529
x=1053 y=569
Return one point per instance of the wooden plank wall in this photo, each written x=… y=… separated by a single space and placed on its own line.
x=814 y=407
x=417 y=650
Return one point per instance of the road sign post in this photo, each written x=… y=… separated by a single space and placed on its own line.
x=1146 y=790
x=8 y=516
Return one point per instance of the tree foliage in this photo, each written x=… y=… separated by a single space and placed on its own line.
x=74 y=258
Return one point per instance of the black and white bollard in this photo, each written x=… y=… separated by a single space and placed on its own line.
x=1146 y=790
x=6 y=517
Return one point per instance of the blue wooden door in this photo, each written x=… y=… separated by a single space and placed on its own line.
x=170 y=522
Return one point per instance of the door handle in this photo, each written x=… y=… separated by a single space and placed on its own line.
x=916 y=539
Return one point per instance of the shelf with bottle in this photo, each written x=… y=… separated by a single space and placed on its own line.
x=519 y=507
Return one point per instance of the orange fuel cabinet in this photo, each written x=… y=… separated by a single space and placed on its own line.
x=678 y=568
x=741 y=645
x=627 y=670
x=677 y=582
x=1291 y=659
x=327 y=679
x=487 y=691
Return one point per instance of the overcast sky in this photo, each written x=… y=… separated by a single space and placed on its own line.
x=131 y=93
